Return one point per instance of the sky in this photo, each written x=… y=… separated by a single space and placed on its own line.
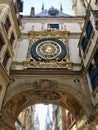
x=66 y=4
x=41 y=109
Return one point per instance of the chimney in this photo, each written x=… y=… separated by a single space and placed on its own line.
x=32 y=13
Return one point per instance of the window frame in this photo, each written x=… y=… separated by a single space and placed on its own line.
x=7 y=24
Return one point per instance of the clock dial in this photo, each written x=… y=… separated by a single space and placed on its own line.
x=48 y=49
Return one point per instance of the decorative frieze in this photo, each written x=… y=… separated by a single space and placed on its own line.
x=29 y=64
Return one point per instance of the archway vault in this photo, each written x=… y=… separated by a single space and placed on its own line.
x=55 y=89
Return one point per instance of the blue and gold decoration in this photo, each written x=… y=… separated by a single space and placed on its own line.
x=47 y=49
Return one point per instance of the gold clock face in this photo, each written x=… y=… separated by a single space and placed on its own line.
x=48 y=49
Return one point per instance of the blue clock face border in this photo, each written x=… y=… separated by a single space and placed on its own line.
x=46 y=49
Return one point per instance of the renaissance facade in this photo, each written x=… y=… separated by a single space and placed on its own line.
x=50 y=57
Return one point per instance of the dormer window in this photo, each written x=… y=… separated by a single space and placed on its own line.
x=53 y=12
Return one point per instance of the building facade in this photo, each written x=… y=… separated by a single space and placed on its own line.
x=70 y=120
x=25 y=120
x=50 y=57
x=57 y=118
x=48 y=122
x=63 y=119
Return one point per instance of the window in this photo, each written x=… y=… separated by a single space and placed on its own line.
x=1 y=42
x=96 y=59
x=7 y=24
x=93 y=72
x=84 y=43
x=53 y=26
x=89 y=29
x=86 y=38
x=6 y=57
x=12 y=38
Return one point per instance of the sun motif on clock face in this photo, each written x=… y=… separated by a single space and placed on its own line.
x=48 y=49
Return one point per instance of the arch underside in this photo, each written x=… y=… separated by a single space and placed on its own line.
x=47 y=91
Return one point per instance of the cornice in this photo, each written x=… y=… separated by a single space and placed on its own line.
x=44 y=19
x=72 y=35
x=45 y=71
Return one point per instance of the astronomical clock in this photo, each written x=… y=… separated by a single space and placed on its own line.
x=48 y=49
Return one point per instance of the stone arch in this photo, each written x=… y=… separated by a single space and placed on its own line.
x=43 y=91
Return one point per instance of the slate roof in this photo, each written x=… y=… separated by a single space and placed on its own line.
x=52 y=12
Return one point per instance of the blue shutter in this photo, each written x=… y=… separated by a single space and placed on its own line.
x=89 y=29
x=93 y=72
x=84 y=43
x=96 y=59
x=86 y=38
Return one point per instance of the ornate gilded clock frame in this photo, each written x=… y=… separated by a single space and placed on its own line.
x=34 y=36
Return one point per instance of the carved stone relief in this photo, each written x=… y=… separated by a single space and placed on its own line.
x=44 y=83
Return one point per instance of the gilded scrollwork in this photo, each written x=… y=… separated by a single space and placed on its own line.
x=29 y=64
x=58 y=34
